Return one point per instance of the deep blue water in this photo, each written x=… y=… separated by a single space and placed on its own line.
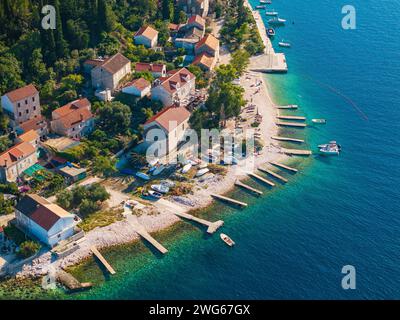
x=294 y=242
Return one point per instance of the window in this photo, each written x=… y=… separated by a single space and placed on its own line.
x=34 y=108
x=33 y=99
x=26 y=101
x=19 y=104
x=20 y=113
x=27 y=111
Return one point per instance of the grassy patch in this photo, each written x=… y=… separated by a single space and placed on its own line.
x=101 y=219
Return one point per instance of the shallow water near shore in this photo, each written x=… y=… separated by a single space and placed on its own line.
x=293 y=242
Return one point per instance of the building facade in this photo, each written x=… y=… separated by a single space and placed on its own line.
x=177 y=88
x=44 y=220
x=16 y=160
x=74 y=120
x=21 y=105
x=110 y=72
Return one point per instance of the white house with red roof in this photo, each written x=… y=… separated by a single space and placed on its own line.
x=156 y=69
x=16 y=160
x=178 y=87
x=108 y=73
x=44 y=220
x=167 y=127
x=138 y=87
x=21 y=105
x=73 y=120
x=146 y=36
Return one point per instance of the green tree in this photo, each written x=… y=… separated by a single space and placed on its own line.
x=106 y=17
x=28 y=249
x=167 y=10
x=240 y=61
x=104 y=166
x=64 y=199
x=114 y=118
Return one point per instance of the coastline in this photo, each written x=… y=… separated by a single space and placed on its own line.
x=163 y=217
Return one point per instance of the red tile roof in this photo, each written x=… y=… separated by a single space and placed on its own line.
x=175 y=77
x=210 y=41
x=140 y=84
x=41 y=211
x=115 y=63
x=204 y=59
x=171 y=113
x=22 y=93
x=197 y=19
x=152 y=67
x=33 y=124
x=147 y=32
x=73 y=113
x=15 y=153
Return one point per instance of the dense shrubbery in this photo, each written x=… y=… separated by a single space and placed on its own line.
x=28 y=249
x=87 y=199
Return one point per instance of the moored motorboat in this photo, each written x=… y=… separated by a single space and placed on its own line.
x=285 y=44
x=261 y=7
x=160 y=188
x=270 y=32
x=272 y=13
x=186 y=168
x=227 y=240
x=277 y=21
x=202 y=172
x=320 y=121
x=158 y=170
x=264 y=1
x=142 y=175
x=155 y=194
x=331 y=148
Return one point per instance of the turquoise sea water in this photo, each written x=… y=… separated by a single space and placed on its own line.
x=293 y=242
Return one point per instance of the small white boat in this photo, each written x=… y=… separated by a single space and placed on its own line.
x=261 y=7
x=158 y=170
x=142 y=175
x=153 y=162
x=227 y=240
x=285 y=44
x=168 y=183
x=202 y=172
x=160 y=188
x=272 y=13
x=186 y=168
x=331 y=148
x=276 y=21
x=321 y=121
x=264 y=1
x=155 y=194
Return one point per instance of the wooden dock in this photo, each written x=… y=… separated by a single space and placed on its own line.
x=212 y=226
x=292 y=118
x=287 y=139
x=274 y=174
x=291 y=124
x=297 y=152
x=256 y=176
x=102 y=260
x=229 y=200
x=288 y=107
x=283 y=166
x=247 y=187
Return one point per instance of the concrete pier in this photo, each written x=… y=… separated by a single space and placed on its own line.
x=297 y=152
x=283 y=166
x=256 y=176
x=287 y=139
x=291 y=124
x=229 y=200
x=132 y=220
x=292 y=118
x=274 y=174
x=102 y=260
x=212 y=226
x=247 y=187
